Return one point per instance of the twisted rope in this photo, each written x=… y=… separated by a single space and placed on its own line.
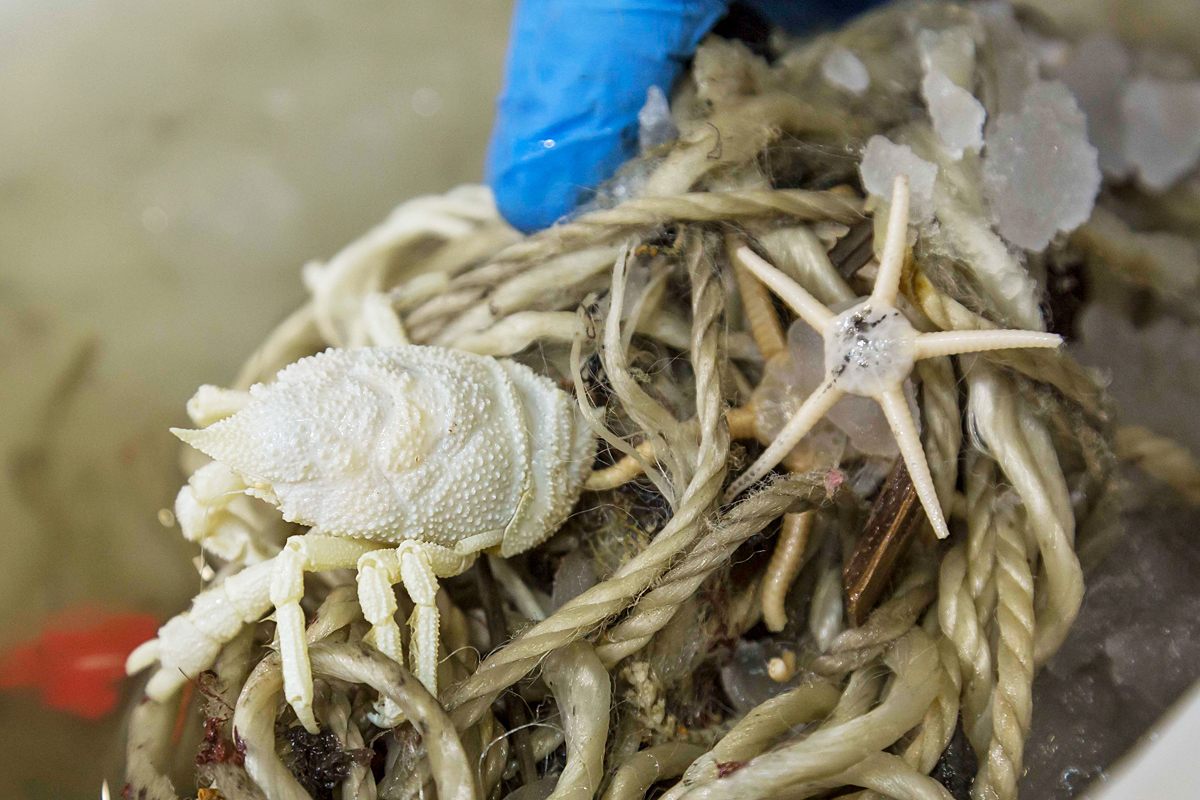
x=1163 y=458
x=838 y=746
x=632 y=216
x=589 y=610
x=856 y=646
x=981 y=536
x=1021 y=446
x=936 y=730
x=1012 y=704
x=943 y=424
x=655 y=609
x=956 y=616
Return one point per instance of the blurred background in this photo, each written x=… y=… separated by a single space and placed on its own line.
x=165 y=171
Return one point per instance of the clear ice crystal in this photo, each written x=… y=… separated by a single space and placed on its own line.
x=844 y=70
x=655 y=125
x=884 y=160
x=957 y=115
x=1014 y=60
x=1040 y=174
x=1162 y=133
x=745 y=679
x=860 y=418
x=1096 y=75
x=1154 y=370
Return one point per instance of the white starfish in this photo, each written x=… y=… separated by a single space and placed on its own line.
x=870 y=350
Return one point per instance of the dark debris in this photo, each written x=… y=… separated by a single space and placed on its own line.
x=957 y=767
x=318 y=761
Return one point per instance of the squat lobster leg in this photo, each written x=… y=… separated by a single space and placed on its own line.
x=312 y=552
x=212 y=403
x=421 y=565
x=207 y=511
x=416 y=565
x=188 y=643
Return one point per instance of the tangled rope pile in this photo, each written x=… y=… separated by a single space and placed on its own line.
x=623 y=653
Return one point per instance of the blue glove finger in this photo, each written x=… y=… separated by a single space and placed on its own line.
x=576 y=75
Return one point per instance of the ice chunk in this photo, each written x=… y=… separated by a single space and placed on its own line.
x=1155 y=370
x=655 y=125
x=1001 y=10
x=948 y=58
x=1013 y=62
x=1040 y=174
x=1162 y=129
x=1166 y=645
x=1052 y=54
x=844 y=70
x=957 y=115
x=884 y=160
x=745 y=679
x=866 y=479
x=1096 y=75
x=951 y=52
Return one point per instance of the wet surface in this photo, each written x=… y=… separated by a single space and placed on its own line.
x=1133 y=651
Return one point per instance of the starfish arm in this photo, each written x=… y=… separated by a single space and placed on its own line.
x=895 y=408
x=887 y=281
x=808 y=307
x=820 y=401
x=948 y=343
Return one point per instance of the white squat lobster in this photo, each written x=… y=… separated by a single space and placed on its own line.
x=405 y=461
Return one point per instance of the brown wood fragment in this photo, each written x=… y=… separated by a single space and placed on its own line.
x=895 y=518
x=854 y=250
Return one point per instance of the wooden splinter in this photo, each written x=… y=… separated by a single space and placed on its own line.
x=895 y=518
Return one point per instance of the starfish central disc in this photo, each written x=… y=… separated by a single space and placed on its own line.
x=869 y=348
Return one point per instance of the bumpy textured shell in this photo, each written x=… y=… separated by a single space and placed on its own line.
x=410 y=443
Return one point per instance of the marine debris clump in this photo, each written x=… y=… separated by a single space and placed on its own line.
x=763 y=590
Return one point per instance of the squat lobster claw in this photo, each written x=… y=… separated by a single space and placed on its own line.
x=405 y=462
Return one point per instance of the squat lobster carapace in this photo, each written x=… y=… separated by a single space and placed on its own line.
x=405 y=462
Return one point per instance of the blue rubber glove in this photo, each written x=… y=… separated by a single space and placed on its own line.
x=576 y=76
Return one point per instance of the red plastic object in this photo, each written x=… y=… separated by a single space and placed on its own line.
x=78 y=660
